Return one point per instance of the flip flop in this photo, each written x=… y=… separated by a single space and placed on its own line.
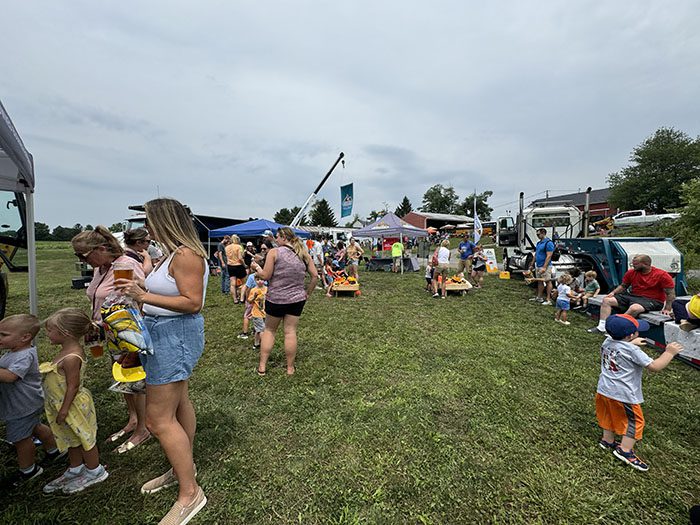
x=128 y=445
x=261 y=374
x=116 y=436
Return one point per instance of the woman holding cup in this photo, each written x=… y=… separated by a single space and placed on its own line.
x=173 y=296
x=101 y=250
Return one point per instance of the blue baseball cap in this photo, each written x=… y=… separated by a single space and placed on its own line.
x=621 y=325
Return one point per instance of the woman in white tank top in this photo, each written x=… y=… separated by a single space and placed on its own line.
x=172 y=300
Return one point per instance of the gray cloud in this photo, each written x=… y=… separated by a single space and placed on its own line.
x=240 y=109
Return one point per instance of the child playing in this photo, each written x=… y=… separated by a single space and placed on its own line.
x=256 y=298
x=68 y=404
x=564 y=296
x=591 y=287
x=429 y=278
x=619 y=395
x=478 y=266
x=21 y=397
x=245 y=291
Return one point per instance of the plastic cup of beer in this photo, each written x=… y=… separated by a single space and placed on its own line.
x=96 y=349
x=123 y=271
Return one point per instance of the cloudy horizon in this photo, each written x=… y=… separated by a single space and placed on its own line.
x=239 y=109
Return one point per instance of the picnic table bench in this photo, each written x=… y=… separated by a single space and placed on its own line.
x=344 y=288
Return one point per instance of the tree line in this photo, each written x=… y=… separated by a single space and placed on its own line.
x=43 y=231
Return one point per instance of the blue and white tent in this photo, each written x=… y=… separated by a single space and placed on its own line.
x=252 y=229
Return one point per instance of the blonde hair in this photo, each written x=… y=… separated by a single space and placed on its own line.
x=25 y=323
x=294 y=242
x=591 y=274
x=131 y=237
x=71 y=321
x=565 y=278
x=172 y=226
x=93 y=239
x=445 y=243
x=235 y=239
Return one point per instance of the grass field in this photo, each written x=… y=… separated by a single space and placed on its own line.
x=404 y=409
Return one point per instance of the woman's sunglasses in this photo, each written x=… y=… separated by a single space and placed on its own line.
x=83 y=256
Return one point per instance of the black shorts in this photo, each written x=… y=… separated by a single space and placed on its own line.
x=237 y=271
x=280 y=310
x=624 y=300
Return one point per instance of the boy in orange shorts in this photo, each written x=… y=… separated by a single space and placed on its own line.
x=619 y=395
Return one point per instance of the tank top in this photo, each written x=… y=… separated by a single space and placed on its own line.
x=286 y=285
x=160 y=282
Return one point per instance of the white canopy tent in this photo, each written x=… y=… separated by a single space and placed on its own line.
x=17 y=175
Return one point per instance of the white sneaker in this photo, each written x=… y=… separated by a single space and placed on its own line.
x=546 y=303
x=85 y=480
x=61 y=481
x=535 y=299
x=566 y=323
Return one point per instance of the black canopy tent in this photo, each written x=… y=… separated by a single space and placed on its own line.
x=17 y=175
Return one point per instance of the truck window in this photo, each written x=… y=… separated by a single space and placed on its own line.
x=547 y=221
x=505 y=223
x=10 y=220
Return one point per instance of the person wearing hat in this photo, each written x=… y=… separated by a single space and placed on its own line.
x=644 y=288
x=269 y=239
x=248 y=254
x=466 y=254
x=618 y=399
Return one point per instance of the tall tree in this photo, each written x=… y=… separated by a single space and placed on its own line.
x=322 y=214
x=116 y=227
x=354 y=219
x=404 y=208
x=61 y=233
x=286 y=216
x=660 y=166
x=483 y=210
x=42 y=232
x=440 y=199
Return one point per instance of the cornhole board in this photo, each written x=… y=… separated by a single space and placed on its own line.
x=460 y=288
x=345 y=288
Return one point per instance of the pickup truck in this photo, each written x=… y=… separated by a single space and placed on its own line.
x=641 y=218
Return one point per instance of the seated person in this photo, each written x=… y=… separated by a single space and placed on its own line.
x=687 y=313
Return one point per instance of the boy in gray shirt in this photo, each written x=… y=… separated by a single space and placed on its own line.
x=22 y=398
x=618 y=400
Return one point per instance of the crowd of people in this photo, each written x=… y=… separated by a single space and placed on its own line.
x=271 y=280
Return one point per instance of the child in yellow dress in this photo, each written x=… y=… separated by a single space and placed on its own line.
x=68 y=404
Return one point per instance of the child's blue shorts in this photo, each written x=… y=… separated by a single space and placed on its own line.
x=563 y=304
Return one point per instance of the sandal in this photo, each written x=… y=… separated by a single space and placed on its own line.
x=117 y=436
x=128 y=445
x=261 y=374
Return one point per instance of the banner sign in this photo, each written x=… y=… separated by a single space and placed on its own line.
x=491 y=264
x=346 y=200
x=387 y=242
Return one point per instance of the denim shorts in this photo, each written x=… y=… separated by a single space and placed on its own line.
x=178 y=343
x=22 y=427
x=563 y=304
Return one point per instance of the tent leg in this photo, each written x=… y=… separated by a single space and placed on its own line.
x=31 y=254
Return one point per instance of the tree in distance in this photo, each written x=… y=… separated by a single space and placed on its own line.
x=660 y=166
x=322 y=215
x=483 y=210
x=42 y=232
x=440 y=199
x=404 y=208
x=116 y=227
x=286 y=216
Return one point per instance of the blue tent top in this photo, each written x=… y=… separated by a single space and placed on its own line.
x=252 y=229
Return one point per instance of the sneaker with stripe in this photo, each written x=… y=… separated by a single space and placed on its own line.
x=631 y=459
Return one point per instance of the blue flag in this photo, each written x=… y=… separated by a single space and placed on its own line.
x=478 y=229
x=346 y=199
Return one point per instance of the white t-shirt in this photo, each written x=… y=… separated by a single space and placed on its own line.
x=563 y=291
x=443 y=255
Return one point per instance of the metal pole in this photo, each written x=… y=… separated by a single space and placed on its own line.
x=586 y=212
x=299 y=215
x=31 y=253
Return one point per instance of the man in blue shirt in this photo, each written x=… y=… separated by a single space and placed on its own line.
x=543 y=267
x=466 y=254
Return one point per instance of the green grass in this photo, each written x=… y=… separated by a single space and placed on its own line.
x=405 y=409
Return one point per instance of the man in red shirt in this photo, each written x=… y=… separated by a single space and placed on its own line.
x=651 y=289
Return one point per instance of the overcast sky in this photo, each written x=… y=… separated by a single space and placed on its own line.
x=239 y=108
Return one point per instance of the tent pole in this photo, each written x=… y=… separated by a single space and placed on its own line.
x=31 y=253
x=402 y=251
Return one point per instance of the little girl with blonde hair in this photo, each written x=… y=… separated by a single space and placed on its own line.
x=68 y=404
